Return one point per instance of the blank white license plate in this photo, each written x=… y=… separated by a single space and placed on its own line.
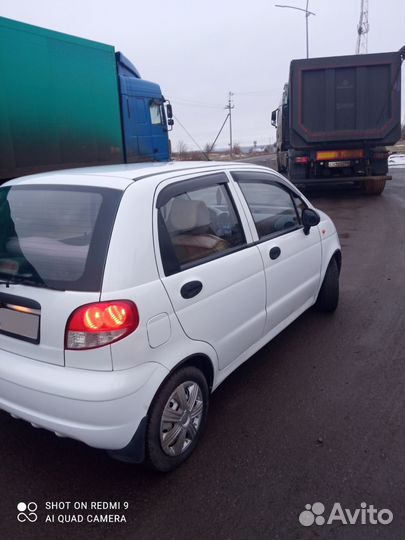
x=18 y=324
x=338 y=163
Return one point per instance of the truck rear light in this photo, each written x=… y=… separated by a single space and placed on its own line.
x=339 y=154
x=351 y=154
x=100 y=323
x=301 y=159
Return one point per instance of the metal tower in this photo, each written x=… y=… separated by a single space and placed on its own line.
x=362 y=29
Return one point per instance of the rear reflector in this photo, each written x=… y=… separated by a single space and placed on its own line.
x=339 y=154
x=101 y=323
x=301 y=159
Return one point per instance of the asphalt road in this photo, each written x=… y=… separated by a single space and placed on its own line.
x=318 y=415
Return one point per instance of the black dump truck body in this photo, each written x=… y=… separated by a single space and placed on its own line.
x=336 y=117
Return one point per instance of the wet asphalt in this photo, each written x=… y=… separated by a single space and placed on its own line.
x=318 y=415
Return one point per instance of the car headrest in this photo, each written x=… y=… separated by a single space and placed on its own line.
x=186 y=215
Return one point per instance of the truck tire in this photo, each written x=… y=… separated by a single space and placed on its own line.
x=373 y=187
x=179 y=413
x=328 y=297
x=296 y=172
x=280 y=167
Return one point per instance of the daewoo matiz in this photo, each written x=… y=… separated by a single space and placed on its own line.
x=129 y=293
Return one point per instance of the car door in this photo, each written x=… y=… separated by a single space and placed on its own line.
x=291 y=258
x=209 y=267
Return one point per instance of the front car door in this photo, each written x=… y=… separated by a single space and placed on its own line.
x=209 y=267
x=292 y=260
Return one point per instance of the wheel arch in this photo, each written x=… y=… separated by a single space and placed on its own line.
x=200 y=361
x=337 y=255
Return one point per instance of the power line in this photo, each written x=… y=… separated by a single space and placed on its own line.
x=253 y=93
x=219 y=133
x=186 y=101
x=195 y=105
x=191 y=137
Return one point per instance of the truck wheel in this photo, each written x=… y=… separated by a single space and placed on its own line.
x=296 y=172
x=177 y=419
x=373 y=187
x=328 y=297
x=280 y=167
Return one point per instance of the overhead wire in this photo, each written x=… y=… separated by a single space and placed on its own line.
x=192 y=138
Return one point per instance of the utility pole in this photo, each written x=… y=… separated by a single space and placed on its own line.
x=229 y=107
x=306 y=26
x=362 y=28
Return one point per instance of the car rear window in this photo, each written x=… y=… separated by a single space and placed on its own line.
x=56 y=236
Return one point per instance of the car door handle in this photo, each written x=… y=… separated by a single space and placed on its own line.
x=274 y=253
x=191 y=289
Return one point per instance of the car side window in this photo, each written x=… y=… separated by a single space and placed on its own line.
x=197 y=224
x=272 y=207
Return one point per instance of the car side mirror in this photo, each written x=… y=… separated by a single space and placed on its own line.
x=274 y=118
x=309 y=218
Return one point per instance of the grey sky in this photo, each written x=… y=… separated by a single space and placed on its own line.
x=199 y=51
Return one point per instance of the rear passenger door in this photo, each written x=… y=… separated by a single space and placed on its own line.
x=292 y=260
x=211 y=271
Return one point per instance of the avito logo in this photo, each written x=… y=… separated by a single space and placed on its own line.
x=365 y=515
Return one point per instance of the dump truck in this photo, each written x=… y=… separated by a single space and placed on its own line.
x=69 y=102
x=336 y=117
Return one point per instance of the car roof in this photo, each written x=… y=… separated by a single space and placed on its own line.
x=120 y=176
x=134 y=171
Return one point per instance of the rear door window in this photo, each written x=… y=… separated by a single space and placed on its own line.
x=197 y=221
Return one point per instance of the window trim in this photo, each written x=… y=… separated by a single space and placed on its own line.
x=193 y=184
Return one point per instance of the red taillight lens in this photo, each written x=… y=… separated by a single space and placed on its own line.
x=101 y=323
x=301 y=159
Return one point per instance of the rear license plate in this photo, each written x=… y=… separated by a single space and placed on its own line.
x=338 y=163
x=18 y=324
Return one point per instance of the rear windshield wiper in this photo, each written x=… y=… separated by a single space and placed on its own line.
x=27 y=281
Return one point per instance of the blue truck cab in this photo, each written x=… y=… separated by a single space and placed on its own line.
x=144 y=122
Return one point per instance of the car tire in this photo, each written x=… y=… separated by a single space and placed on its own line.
x=328 y=297
x=179 y=413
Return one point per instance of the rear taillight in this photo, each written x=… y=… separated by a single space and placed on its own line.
x=101 y=323
x=339 y=154
x=301 y=159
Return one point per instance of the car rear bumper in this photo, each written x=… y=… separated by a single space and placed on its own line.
x=101 y=409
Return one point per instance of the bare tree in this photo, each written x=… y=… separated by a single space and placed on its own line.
x=236 y=149
x=182 y=150
x=209 y=147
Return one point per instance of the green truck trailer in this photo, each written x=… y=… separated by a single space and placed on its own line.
x=68 y=102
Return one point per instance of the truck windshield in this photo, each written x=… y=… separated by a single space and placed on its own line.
x=56 y=236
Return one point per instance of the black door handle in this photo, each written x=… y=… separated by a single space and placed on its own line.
x=191 y=289
x=274 y=253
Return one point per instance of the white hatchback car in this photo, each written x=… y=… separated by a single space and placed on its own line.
x=128 y=293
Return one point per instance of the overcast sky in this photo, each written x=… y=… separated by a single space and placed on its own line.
x=199 y=51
